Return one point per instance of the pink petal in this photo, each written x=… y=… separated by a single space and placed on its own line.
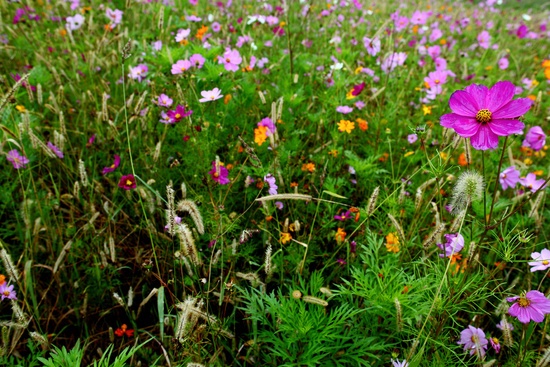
x=466 y=126
x=479 y=94
x=500 y=94
x=506 y=127
x=513 y=109
x=462 y=103
x=448 y=120
x=484 y=139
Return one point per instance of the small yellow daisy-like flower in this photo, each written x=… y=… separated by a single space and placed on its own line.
x=333 y=152
x=340 y=235
x=285 y=238
x=350 y=95
x=528 y=161
x=259 y=135
x=426 y=109
x=346 y=126
x=392 y=243
x=20 y=108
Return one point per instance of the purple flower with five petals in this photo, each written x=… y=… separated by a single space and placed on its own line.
x=542 y=260
x=509 y=177
x=535 y=138
x=177 y=114
x=474 y=340
x=484 y=114
x=531 y=306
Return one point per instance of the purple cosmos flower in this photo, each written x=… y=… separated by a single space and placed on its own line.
x=219 y=173
x=454 y=244
x=495 y=344
x=231 y=60
x=412 y=138
x=270 y=179
x=509 y=177
x=164 y=101
x=343 y=216
x=503 y=63
x=535 y=138
x=542 y=260
x=531 y=182
x=138 y=72
x=344 y=109
x=182 y=34
x=157 y=45
x=177 y=114
x=197 y=60
x=483 y=114
x=7 y=292
x=503 y=325
x=420 y=17
x=18 y=160
x=279 y=205
x=180 y=66
x=484 y=39
x=360 y=104
x=474 y=340
x=210 y=95
x=127 y=182
x=396 y=363
x=372 y=45
x=55 y=149
x=112 y=167
x=531 y=306
x=115 y=16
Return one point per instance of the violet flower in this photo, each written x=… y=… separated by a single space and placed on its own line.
x=509 y=177
x=473 y=339
x=535 y=138
x=532 y=305
x=542 y=260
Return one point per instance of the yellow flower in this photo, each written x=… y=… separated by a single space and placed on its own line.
x=426 y=109
x=285 y=238
x=392 y=243
x=346 y=126
x=310 y=167
x=20 y=108
x=340 y=236
x=350 y=95
x=333 y=153
x=259 y=134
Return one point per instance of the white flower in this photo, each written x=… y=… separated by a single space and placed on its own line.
x=74 y=23
x=210 y=95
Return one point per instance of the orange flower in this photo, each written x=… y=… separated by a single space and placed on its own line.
x=227 y=98
x=546 y=63
x=2 y=279
x=462 y=161
x=294 y=184
x=200 y=33
x=547 y=73
x=285 y=238
x=340 y=235
x=333 y=153
x=363 y=124
x=123 y=330
x=346 y=126
x=384 y=157
x=310 y=167
x=259 y=135
x=392 y=243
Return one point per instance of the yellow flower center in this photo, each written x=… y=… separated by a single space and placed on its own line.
x=545 y=262
x=523 y=302
x=6 y=293
x=178 y=116
x=483 y=116
x=129 y=183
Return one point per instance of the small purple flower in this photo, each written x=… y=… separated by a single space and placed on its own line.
x=7 y=292
x=531 y=182
x=18 y=160
x=533 y=305
x=138 y=72
x=535 y=138
x=412 y=138
x=503 y=63
x=279 y=205
x=396 y=363
x=503 y=325
x=157 y=45
x=267 y=122
x=180 y=66
x=454 y=244
x=474 y=340
x=197 y=60
x=164 y=101
x=55 y=149
x=270 y=179
x=177 y=114
x=341 y=262
x=343 y=216
x=495 y=344
x=542 y=260
x=509 y=177
x=219 y=173
x=113 y=166
x=344 y=109
x=360 y=105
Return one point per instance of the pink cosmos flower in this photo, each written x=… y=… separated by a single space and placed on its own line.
x=372 y=45
x=412 y=138
x=6 y=291
x=18 y=160
x=74 y=23
x=115 y=16
x=474 y=340
x=180 y=66
x=495 y=344
x=484 y=39
x=531 y=182
x=509 y=178
x=210 y=95
x=164 y=101
x=535 y=138
x=112 y=167
x=435 y=79
x=435 y=35
x=231 y=60
x=139 y=72
x=270 y=179
x=434 y=52
x=219 y=173
x=483 y=114
x=420 y=17
x=55 y=149
x=396 y=363
x=197 y=60
x=531 y=306
x=542 y=260
x=344 y=109
x=401 y=23
x=503 y=63
x=127 y=182
x=177 y=114
x=182 y=34
x=454 y=244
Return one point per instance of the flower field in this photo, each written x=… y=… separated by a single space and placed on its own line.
x=194 y=183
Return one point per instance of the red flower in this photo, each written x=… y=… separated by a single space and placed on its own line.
x=127 y=182
x=123 y=330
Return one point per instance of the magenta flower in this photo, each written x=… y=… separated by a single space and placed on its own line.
x=18 y=160
x=357 y=89
x=112 y=167
x=495 y=344
x=509 y=177
x=531 y=306
x=535 y=138
x=55 y=149
x=6 y=291
x=343 y=216
x=474 y=340
x=210 y=95
x=219 y=173
x=127 y=182
x=180 y=66
x=231 y=60
x=177 y=114
x=531 y=182
x=542 y=260
x=454 y=244
x=267 y=122
x=483 y=114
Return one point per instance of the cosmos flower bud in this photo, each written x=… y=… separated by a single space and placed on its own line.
x=469 y=187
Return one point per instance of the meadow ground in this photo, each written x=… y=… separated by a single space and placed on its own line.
x=274 y=183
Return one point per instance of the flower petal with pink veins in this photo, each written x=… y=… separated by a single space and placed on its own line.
x=484 y=139
x=506 y=127
x=513 y=109
x=466 y=126
x=479 y=95
x=500 y=94
x=462 y=103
